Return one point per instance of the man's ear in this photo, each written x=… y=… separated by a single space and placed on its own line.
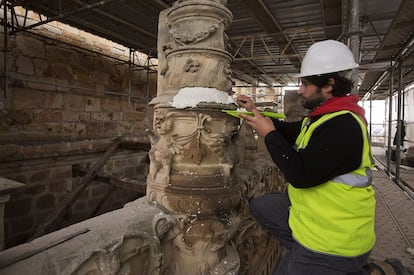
x=331 y=82
x=329 y=86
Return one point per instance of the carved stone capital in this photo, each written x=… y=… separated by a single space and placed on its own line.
x=192 y=160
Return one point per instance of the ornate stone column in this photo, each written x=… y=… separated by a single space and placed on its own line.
x=193 y=154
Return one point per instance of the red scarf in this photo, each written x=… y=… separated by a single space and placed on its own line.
x=335 y=104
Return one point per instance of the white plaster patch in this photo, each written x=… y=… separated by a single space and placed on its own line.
x=191 y=96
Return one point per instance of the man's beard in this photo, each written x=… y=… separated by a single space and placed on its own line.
x=314 y=101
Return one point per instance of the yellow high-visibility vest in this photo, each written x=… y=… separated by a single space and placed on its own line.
x=338 y=216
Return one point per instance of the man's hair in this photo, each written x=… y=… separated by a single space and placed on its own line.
x=342 y=85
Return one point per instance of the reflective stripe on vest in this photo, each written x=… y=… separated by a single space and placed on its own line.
x=355 y=180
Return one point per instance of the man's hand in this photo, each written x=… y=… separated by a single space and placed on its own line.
x=245 y=102
x=262 y=125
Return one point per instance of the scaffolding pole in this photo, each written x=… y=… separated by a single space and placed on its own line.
x=390 y=117
x=5 y=49
x=370 y=116
x=354 y=40
x=398 y=133
x=130 y=63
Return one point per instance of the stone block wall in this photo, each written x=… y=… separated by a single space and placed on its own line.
x=47 y=185
x=69 y=95
x=57 y=91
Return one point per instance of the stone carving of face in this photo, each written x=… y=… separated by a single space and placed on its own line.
x=162 y=124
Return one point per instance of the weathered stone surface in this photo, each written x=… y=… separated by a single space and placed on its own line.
x=92 y=104
x=127 y=238
x=88 y=61
x=40 y=66
x=60 y=54
x=65 y=129
x=70 y=116
x=133 y=116
x=101 y=77
x=23 y=98
x=53 y=30
x=40 y=176
x=17 y=118
x=54 y=100
x=48 y=116
x=9 y=152
x=193 y=156
x=24 y=65
x=82 y=74
x=20 y=208
x=45 y=122
x=59 y=71
x=60 y=185
x=46 y=201
x=79 y=206
x=109 y=104
x=73 y=102
x=98 y=190
x=24 y=223
x=29 y=46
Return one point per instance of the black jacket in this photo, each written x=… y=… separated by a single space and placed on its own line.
x=335 y=148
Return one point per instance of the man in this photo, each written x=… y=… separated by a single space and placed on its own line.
x=326 y=221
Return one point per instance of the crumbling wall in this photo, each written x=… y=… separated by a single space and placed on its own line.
x=68 y=97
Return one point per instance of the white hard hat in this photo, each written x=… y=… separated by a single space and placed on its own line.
x=327 y=56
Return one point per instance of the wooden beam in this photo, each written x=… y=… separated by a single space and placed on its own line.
x=102 y=201
x=133 y=145
x=133 y=185
x=79 y=187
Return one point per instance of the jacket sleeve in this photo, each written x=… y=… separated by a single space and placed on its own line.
x=335 y=148
x=289 y=130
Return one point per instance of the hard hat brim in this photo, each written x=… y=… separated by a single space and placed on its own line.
x=327 y=71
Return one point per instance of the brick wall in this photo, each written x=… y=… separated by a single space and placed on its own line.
x=68 y=97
